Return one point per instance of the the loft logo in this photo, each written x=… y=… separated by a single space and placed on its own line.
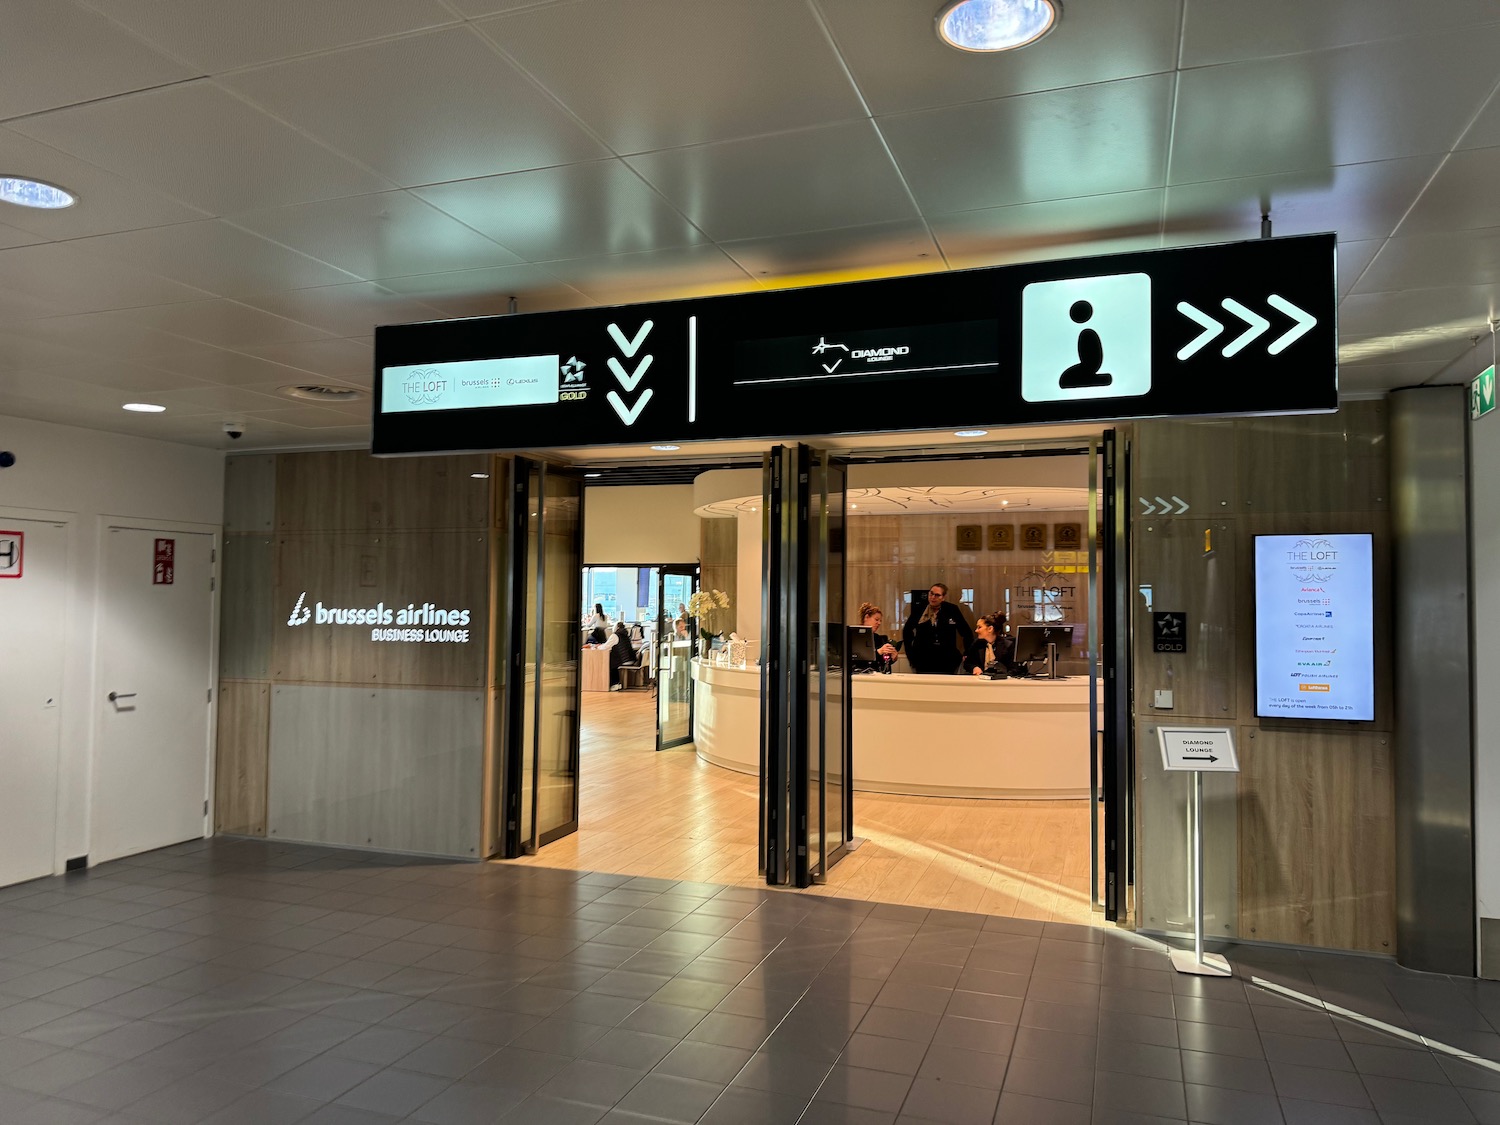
x=424 y=623
x=1086 y=337
x=424 y=386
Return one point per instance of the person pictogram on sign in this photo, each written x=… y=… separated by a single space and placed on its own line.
x=1087 y=372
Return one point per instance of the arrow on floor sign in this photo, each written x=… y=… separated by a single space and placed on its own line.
x=1255 y=327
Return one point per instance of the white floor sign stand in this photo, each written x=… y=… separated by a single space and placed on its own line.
x=1198 y=750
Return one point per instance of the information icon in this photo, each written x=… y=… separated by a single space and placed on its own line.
x=1086 y=337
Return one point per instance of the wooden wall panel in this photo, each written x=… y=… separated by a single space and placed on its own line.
x=240 y=769
x=352 y=491
x=718 y=559
x=1317 y=838
x=446 y=568
x=391 y=768
x=247 y=614
x=250 y=493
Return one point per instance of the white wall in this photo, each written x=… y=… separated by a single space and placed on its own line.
x=639 y=524
x=1484 y=525
x=86 y=475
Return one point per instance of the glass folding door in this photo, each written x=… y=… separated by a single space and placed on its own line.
x=542 y=705
x=674 y=653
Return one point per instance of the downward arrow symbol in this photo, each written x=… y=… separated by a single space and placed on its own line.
x=631 y=381
x=629 y=347
x=1211 y=328
x=1304 y=322
x=628 y=416
x=1257 y=323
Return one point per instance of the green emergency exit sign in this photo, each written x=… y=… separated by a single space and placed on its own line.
x=1482 y=393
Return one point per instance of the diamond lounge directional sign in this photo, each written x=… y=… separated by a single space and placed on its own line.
x=1241 y=328
x=1204 y=749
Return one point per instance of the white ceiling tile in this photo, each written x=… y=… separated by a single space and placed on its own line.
x=473 y=8
x=124 y=375
x=330 y=359
x=1381 y=377
x=214 y=256
x=1379 y=101
x=741 y=189
x=820 y=257
x=900 y=64
x=15 y=236
x=656 y=74
x=224 y=324
x=568 y=212
x=106 y=202
x=215 y=399
x=1452 y=311
x=655 y=275
x=488 y=292
x=1438 y=346
x=1462 y=196
x=371 y=236
x=236 y=33
x=422 y=109
x=535 y=300
x=202 y=145
x=345 y=310
x=112 y=334
x=1091 y=140
x=994 y=234
x=47 y=387
x=311 y=417
x=1217 y=31
x=56 y=52
x=1353 y=259
x=62 y=275
x=226 y=368
x=1430 y=261
x=1356 y=201
x=28 y=350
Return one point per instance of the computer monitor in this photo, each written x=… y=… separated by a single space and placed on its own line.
x=1032 y=642
x=862 y=645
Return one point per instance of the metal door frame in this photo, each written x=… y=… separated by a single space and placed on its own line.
x=664 y=637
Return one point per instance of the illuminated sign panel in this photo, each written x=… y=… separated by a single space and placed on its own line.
x=1241 y=328
x=1314 y=627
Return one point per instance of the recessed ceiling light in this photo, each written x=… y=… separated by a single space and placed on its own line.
x=666 y=448
x=970 y=433
x=1005 y=503
x=144 y=407
x=593 y=474
x=34 y=193
x=996 y=25
x=480 y=476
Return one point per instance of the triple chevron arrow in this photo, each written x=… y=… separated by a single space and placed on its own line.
x=632 y=379
x=1255 y=326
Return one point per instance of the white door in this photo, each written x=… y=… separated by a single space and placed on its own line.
x=33 y=610
x=155 y=641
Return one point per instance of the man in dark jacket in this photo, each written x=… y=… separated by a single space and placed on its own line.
x=936 y=635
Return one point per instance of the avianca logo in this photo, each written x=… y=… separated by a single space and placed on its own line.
x=301 y=614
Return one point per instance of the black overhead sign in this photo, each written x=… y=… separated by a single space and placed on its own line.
x=1241 y=328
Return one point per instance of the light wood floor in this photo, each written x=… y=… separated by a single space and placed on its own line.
x=671 y=816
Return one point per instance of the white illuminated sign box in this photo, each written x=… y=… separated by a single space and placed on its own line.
x=1314 y=627
x=527 y=380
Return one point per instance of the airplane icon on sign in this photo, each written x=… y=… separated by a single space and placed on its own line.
x=823 y=345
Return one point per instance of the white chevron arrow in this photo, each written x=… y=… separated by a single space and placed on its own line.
x=1182 y=505
x=1149 y=508
x=631 y=381
x=1304 y=321
x=1257 y=325
x=1165 y=506
x=629 y=346
x=1211 y=328
x=629 y=416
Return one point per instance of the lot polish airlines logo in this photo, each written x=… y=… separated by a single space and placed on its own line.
x=424 y=623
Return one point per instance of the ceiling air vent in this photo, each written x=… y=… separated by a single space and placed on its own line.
x=322 y=392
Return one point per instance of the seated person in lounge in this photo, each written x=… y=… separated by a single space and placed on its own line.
x=621 y=653
x=871 y=618
x=992 y=646
x=598 y=626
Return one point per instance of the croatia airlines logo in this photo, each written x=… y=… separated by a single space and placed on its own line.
x=301 y=613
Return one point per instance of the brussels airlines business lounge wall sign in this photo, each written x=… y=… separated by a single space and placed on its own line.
x=1241 y=328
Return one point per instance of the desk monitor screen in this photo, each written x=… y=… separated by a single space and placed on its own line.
x=862 y=645
x=1032 y=642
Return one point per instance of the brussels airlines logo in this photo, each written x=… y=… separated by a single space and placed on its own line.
x=416 y=623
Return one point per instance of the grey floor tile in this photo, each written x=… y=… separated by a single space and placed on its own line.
x=395 y=1091
x=950 y=1103
x=1134 y=1093
x=1214 y=1105
x=596 y=1083
x=1306 y=1083
x=638 y=1050
x=263 y=1107
x=1422 y=1100
x=1298 y=1111
x=963 y=1066
x=867 y=1089
x=1078 y=1051
x=975 y=1035
x=186 y=1102
x=323 y=1079
x=1049 y=1079
x=1148 y=1059
x=1229 y=1072
x=670 y=1098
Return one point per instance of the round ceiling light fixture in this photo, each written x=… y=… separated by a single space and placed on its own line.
x=35 y=193
x=970 y=433
x=996 y=25
x=666 y=448
x=322 y=392
x=144 y=408
x=591 y=475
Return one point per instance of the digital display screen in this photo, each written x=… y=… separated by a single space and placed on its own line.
x=1314 y=626
x=528 y=380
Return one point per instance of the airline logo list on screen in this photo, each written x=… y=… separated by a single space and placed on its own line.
x=1314 y=626
x=527 y=380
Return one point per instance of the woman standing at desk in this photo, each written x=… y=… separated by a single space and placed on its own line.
x=872 y=618
x=937 y=636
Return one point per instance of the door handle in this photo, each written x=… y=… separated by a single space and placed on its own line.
x=116 y=696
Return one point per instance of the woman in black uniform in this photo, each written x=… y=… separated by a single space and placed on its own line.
x=991 y=645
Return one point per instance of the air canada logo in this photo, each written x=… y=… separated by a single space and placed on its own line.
x=423 y=387
x=301 y=615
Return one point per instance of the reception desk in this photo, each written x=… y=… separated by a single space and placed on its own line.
x=935 y=736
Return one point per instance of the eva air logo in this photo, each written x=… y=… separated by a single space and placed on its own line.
x=301 y=614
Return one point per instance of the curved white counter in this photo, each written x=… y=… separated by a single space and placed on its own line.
x=936 y=736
